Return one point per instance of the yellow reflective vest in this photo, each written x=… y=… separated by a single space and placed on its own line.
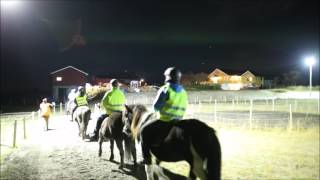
x=175 y=106
x=82 y=100
x=113 y=101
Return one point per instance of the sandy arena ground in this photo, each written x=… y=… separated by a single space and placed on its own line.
x=60 y=154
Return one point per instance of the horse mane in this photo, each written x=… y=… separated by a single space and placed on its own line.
x=137 y=111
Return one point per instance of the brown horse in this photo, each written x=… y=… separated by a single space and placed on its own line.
x=190 y=140
x=82 y=116
x=112 y=129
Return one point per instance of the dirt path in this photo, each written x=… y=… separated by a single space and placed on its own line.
x=60 y=154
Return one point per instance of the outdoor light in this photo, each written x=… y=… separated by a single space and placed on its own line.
x=9 y=3
x=59 y=78
x=310 y=61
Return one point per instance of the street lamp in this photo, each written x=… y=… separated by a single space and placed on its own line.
x=310 y=61
x=9 y=3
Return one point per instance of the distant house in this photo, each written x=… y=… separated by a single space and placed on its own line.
x=65 y=79
x=235 y=82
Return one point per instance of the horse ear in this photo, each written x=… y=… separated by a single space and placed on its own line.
x=127 y=108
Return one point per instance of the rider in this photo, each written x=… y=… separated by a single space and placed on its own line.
x=46 y=111
x=80 y=100
x=172 y=99
x=112 y=101
x=171 y=103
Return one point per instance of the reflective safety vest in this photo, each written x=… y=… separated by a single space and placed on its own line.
x=175 y=106
x=82 y=100
x=114 y=101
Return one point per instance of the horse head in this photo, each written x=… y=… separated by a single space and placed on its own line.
x=131 y=118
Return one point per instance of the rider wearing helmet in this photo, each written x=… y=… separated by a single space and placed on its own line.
x=171 y=103
x=113 y=101
x=172 y=99
x=80 y=100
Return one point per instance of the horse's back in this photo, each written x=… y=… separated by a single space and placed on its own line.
x=200 y=134
x=112 y=126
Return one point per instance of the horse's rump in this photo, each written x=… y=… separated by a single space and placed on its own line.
x=82 y=113
x=112 y=129
x=82 y=116
x=112 y=126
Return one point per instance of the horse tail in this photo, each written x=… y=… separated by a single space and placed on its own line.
x=213 y=162
x=127 y=147
x=85 y=117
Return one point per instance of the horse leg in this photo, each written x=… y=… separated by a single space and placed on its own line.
x=111 y=149
x=134 y=153
x=82 y=129
x=100 y=141
x=120 y=147
x=149 y=171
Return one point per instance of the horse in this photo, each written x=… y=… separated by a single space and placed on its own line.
x=82 y=116
x=189 y=139
x=112 y=129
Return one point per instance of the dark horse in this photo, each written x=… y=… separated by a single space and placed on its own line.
x=82 y=116
x=190 y=140
x=112 y=129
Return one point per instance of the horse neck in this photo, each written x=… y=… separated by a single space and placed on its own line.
x=143 y=119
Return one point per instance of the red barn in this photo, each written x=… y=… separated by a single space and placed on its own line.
x=65 y=79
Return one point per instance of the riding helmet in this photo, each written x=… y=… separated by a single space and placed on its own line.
x=114 y=83
x=172 y=74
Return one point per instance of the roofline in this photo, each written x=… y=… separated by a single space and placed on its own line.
x=69 y=67
x=219 y=70
x=248 y=72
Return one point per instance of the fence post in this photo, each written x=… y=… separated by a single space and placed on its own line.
x=215 y=112
x=318 y=105
x=24 y=129
x=272 y=104
x=54 y=109
x=232 y=104
x=290 y=118
x=250 y=114
x=14 y=133
x=60 y=108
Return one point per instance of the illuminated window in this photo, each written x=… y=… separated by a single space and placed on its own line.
x=235 y=78
x=59 y=78
x=250 y=78
x=215 y=79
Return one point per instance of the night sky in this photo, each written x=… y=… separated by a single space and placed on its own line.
x=267 y=37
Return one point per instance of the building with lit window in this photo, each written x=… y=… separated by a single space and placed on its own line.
x=235 y=82
x=65 y=79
